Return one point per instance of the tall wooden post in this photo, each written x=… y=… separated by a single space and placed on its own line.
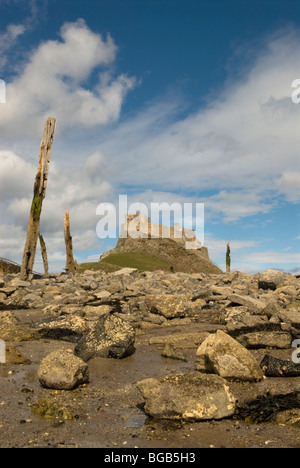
x=44 y=254
x=71 y=264
x=39 y=192
x=228 y=260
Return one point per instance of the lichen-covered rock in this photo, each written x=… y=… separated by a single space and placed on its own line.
x=111 y=336
x=61 y=370
x=191 y=396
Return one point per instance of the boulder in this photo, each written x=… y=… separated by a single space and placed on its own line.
x=191 y=396
x=223 y=355
x=266 y=339
x=61 y=328
x=254 y=305
x=111 y=336
x=169 y=306
x=239 y=323
x=291 y=316
x=271 y=279
x=171 y=352
x=61 y=370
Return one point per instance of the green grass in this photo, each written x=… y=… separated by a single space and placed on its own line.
x=136 y=260
x=96 y=266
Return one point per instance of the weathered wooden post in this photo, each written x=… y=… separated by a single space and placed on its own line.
x=228 y=260
x=44 y=254
x=39 y=192
x=71 y=264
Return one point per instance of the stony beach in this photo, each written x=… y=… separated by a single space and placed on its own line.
x=154 y=359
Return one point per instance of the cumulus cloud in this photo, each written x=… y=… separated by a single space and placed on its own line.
x=15 y=176
x=54 y=82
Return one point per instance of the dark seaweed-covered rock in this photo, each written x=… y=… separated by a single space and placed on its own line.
x=273 y=367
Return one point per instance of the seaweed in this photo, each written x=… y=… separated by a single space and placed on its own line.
x=265 y=408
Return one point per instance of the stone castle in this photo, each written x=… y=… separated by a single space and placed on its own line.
x=139 y=226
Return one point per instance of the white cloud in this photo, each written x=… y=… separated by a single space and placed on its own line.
x=289 y=185
x=54 y=83
x=271 y=257
x=15 y=176
x=232 y=206
x=8 y=39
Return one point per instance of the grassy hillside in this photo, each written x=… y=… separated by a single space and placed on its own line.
x=96 y=266
x=116 y=261
x=141 y=261
x=154 y=254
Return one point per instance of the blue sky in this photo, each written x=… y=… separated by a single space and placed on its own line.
x=166 y=101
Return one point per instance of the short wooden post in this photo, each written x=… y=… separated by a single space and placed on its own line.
x=39 y=192
x=71 y=264
x=44 y=254
x=228 y=260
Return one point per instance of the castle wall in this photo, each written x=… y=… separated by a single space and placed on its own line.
x=139 y=226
